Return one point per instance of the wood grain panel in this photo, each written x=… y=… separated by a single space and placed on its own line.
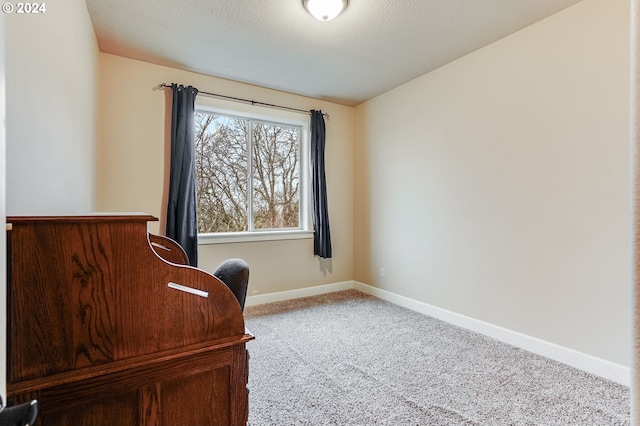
x=149 y=408
x=207 y=395
x=168 y=249
x=84 y=390
x=119 y=410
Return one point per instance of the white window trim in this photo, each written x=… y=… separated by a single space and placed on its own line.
x=306 y=227
x=255 y=236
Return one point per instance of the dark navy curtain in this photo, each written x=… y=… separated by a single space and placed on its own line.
x=182 y=225
x=322 y=235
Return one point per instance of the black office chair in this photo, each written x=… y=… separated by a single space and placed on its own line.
x=235 y=274
x=19 y=415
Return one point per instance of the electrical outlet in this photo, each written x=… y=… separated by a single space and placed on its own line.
x=382 y=272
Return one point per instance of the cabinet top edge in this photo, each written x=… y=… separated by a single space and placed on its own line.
x=90 y=217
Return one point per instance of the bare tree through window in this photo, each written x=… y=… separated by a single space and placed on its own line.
x=247 y=174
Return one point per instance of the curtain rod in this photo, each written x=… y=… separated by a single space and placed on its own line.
x=248 y=101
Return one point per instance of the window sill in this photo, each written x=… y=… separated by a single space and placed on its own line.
x=248 y=237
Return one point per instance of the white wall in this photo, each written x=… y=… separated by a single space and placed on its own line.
x=132 y=156
x=498 y=186
x=51 y=101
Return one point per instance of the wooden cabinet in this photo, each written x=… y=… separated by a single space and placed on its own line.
x=99 y=336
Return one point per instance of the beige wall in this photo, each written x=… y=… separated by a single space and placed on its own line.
x=635 y=151
x=3 y=235
x=51 y=93
x=132 y=157
x=498 y=186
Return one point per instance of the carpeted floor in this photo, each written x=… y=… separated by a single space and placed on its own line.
x=348 y=358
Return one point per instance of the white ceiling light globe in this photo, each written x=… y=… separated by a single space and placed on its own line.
x=324 y=10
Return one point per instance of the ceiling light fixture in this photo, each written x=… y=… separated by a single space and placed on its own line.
x=325 y=10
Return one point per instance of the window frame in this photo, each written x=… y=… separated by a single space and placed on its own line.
x=305 y=229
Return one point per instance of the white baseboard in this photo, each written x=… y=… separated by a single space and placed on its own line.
x=279 y=296
x=600 y=367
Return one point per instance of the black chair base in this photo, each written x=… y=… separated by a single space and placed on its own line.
x=19 y=415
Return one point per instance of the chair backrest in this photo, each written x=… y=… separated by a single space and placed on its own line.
x=235 y=274
x=19 y=415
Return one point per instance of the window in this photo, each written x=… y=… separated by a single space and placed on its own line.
x=250 y=178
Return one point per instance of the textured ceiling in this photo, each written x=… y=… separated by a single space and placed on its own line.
x=374 y=46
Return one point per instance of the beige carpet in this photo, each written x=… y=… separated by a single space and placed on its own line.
x=347 y=358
